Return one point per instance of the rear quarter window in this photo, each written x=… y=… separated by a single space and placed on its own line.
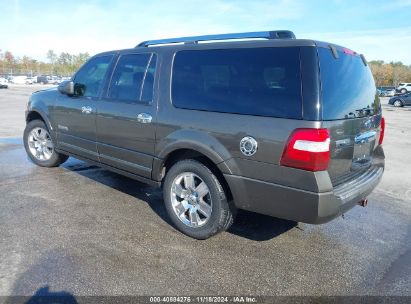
x=347 y=85
x=252 y=81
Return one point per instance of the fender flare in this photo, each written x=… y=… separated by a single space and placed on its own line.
x=198 y=141
x=44 y=118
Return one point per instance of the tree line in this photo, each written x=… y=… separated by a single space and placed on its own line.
x=63 y=64
x=390 y=74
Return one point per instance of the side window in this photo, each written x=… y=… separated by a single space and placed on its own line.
x=133 y=78
x=249 y=81
x=89 y=79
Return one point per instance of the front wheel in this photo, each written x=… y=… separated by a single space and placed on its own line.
x=397 y=103
x=195 y=200
x=403 y=91
x=39 y=145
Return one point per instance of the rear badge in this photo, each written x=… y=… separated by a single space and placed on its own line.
x=248 y=146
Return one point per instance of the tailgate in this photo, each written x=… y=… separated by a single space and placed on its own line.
x=353 y=147
x=351 y=110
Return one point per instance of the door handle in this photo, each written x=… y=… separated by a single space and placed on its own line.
x=86 y=110
x=144 y=118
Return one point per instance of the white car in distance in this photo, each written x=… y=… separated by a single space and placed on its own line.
x=19 y=79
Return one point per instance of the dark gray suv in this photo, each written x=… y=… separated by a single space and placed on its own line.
x=281 y=126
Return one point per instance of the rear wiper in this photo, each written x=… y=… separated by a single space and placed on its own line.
x=334 y=51
x=363 y=60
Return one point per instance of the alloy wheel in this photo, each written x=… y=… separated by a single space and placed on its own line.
x=191 y=199
x=40 y=144
x=397 y=103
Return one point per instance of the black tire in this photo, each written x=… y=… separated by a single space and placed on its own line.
x=56 y=158
x=222 y=216
x=403 y=91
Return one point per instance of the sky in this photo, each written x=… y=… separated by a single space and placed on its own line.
x=381 y=30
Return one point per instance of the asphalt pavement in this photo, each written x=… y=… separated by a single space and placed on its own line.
x=82 y=230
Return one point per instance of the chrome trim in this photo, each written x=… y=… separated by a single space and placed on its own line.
x=144 y=118
x=365 y=137
x=86 y=110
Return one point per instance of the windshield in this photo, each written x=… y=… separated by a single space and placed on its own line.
x=348 y=88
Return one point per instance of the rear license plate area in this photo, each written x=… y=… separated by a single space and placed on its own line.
x=364 y=144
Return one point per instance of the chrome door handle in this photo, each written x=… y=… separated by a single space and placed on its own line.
x=86 y=110
x=144 y=118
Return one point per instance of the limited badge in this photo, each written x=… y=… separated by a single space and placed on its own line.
x=248 y=146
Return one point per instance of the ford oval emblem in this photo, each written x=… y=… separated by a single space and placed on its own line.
x=367 y=124
x=248 y=146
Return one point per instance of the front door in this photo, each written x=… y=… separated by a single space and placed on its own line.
x=75 y=116
x=126 y=115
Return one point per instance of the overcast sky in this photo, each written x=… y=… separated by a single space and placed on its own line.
x=378 y=29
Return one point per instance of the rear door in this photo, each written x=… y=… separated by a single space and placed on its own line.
x=351 y=110
x=126 y=115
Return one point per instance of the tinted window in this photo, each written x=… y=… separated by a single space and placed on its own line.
x=348 y=89
x=89 y=79
x=133 y=78
x=258 y=81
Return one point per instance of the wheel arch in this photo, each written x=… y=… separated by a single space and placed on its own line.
x=34 y=114
x=163 y=165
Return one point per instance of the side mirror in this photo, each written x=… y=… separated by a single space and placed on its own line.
x=66 y=87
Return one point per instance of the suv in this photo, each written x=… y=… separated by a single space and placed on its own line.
x=404 y=88
x=252 y=124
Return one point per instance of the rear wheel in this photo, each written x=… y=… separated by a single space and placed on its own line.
x=403 y=91
x=398 y=103
x=195 y=200
x=39 y=145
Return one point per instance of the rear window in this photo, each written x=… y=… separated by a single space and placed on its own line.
x=348 y=89
x=258 y=81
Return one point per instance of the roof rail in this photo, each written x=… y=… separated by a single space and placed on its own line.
x=196 y=39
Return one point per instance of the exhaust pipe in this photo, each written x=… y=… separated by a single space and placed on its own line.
x=363 y=203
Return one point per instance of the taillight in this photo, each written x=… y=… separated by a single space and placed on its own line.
x=307 y=149
x=382 y=133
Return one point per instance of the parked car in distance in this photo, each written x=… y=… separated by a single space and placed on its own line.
x=404 y=87
x=220 y=126
x=65 y=78
x=386 y=91
x=19 y=79
x=54 y=79
x=400 y=100
x=42 y=79
x=30 y=80
x=3 y=83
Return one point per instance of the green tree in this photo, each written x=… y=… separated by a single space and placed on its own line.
x=52 y=57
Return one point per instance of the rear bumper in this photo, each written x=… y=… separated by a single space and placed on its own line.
x=301 y=205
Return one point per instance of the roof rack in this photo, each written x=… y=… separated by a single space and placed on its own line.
x=196 y=39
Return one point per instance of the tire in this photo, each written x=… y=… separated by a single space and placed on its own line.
x=403 y=91
x=39 y=145
x=193 y=212
x=398 y=103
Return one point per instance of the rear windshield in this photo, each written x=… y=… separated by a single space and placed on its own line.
x=348 y=89
x=257 y=81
